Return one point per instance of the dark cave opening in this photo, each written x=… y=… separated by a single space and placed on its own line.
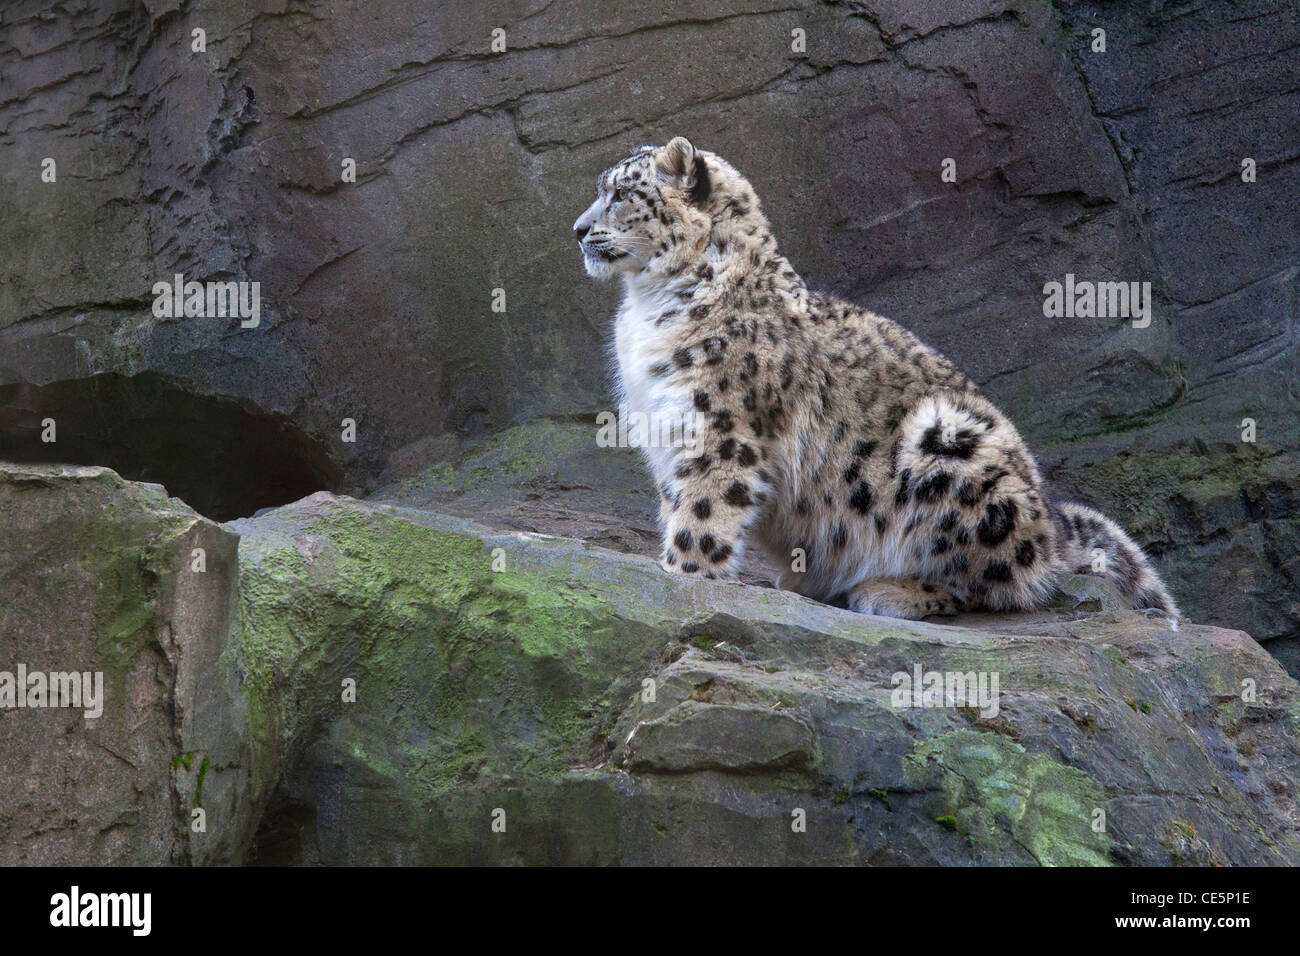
x=221 y=459
x=285 y=834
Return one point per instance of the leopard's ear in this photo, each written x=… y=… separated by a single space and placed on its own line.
x=684 y=166
x=677 y=158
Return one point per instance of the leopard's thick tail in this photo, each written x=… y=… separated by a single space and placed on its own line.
x=1090 y=543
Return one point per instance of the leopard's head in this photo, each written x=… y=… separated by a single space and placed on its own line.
x=653 y=211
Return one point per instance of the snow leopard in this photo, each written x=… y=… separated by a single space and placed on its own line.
x=826 y=435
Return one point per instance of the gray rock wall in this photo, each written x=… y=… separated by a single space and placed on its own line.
x=471 y=165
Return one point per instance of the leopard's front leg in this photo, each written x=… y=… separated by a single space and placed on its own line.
x=711 y=502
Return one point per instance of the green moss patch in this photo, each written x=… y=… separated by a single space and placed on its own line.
x=997 y=791
x=476 y=672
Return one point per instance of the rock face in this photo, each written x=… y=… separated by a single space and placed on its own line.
x=471 y=165
x=362 y=683
x=99 y=577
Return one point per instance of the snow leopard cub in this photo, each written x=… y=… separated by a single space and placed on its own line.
x=828 y=431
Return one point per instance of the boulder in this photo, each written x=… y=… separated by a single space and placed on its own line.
x=369 y=683
x=108 y=576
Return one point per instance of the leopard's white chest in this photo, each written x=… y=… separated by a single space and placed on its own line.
x=664 y=399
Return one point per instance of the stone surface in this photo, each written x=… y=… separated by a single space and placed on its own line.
x=612 y=713
x=472 y=165
x=97 y=577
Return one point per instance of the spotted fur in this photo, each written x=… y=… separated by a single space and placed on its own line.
x=830 y=432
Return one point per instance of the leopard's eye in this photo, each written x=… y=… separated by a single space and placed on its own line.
x=620 y=194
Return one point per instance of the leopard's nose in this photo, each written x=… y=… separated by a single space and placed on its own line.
x=581 y=231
